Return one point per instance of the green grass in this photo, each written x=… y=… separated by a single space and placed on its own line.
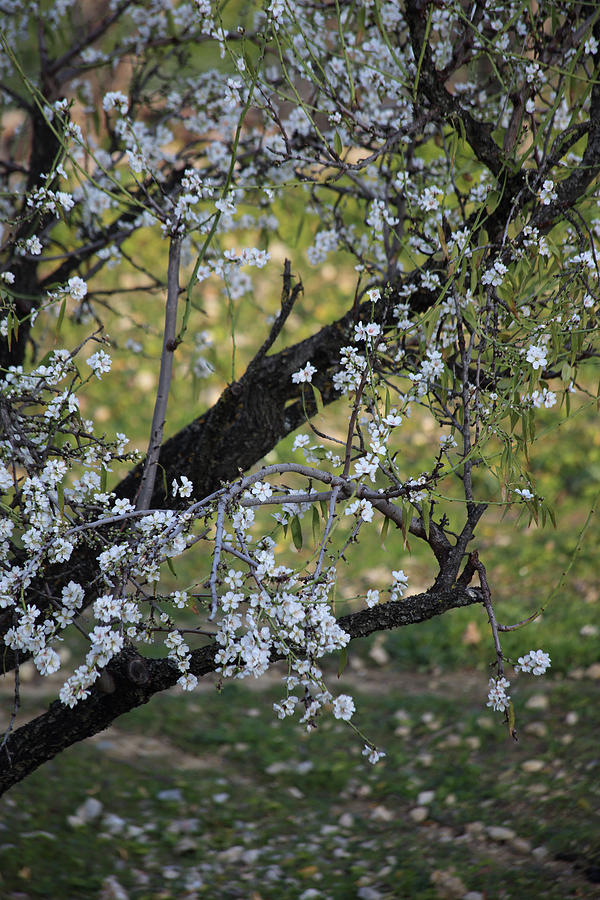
x=305 y=812
x=253 y=807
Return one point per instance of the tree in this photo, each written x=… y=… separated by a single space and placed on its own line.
x=450 y=152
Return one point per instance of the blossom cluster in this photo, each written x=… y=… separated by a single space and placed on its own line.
x=446 y=317
x=536 y=662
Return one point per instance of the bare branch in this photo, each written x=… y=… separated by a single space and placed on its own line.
x=164 y=382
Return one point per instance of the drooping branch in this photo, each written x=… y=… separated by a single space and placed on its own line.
x=249 y=419
x=130 y=681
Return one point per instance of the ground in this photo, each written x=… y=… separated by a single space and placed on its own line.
x=211 y=796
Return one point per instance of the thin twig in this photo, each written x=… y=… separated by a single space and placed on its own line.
x=289 y=295
x=166 y=370
x=328 y=526
x=520 y=624
x=487 y=602
x=352 y=422
x=216 y=558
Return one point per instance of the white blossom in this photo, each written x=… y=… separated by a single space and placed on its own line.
x=47 y=661
x=301 y=440
x=100 y=362
x=373 y=754
x=372 y=598
x=114 y=99
x=537 y=355
x=525 y=493
x=343 y=707
x=498 y=699
x=495 y=274
x=77 y=288
x=366 y=332
x=547 y=193
x=536 y=662
x=304 y=375
x=188 y=682
x=262 y=490
x=182 y=488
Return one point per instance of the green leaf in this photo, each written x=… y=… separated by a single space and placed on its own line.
x=171 y=24
x=186 y=315
x=103 y=479
x=452 y=141
x=318 y=398
x=8 y=511
x=61 y=314
x=384 y=530
x=343 y=661
x=470 y=317
x=45 y=359
x=442 y=239
x=316 y=524
x=170 y=565
x=533 y=509
x=474 y=270
x=296 y=529
x=405 y=510
x=301 y=221
x=15 y=324
x=492 y=201
x=337 y=144
x=511 y=719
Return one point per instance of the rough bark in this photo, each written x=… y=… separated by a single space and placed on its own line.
x=249 y=419
x=130 y=681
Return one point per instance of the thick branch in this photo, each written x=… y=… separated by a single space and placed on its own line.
x=131 y=680
x=256 y=412
x=249 y=419
x=571 y=189
x=431 y=87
